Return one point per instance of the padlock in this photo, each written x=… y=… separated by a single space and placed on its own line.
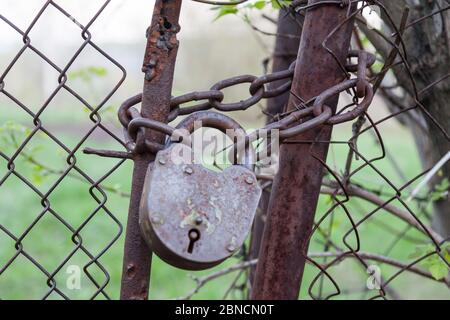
x=192 y=217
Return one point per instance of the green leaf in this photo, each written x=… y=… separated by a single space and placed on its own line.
x=37 y=178
x=416 y=254
x=422 y=250
x=440 y=190
x=117 y=186
x=79 y=74
x=439 y=270
x=328 y=199
x=275 y=4
x=224 y=10
x=443 y=185
x=88 y=73
x=434 y=263
x=98 y=71
x=37 y=168
x=259 y=4
x=73 y=74
x=430 y=261
x=86 y=109
x=446 y=250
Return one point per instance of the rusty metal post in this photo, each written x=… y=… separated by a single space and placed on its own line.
x=158 y=66
x=296 y=188
x=289 y=28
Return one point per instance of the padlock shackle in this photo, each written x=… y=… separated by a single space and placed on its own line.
x=220 y=122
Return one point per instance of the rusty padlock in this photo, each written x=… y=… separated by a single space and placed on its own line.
x=192 y=217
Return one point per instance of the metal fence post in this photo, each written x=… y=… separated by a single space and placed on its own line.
x=158 y=66
x=296 y=188
x=289 y=28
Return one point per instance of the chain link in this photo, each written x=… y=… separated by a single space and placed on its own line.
x=313 y=113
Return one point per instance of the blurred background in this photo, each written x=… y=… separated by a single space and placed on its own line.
x=209 y=51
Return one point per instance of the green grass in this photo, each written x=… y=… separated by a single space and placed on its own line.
x=49 y=241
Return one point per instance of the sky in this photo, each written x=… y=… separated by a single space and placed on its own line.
x=121 y=22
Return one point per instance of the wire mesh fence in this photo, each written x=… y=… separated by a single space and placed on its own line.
x=51 y=226
x=378 y=230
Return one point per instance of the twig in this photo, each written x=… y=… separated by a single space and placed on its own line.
x=32 y=160
x=202 y=281
x=265 y=16
x=399 y=213
x=279 y=35
x=429 y=176
x=382 y=259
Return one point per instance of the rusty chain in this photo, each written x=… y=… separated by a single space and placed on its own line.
x=308 y=115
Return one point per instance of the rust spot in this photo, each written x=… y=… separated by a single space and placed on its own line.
x=161 y=37
x=131 y=271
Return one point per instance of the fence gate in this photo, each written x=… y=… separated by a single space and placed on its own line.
x=315 y=213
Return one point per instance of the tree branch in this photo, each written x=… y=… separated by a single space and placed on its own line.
x=404 y=215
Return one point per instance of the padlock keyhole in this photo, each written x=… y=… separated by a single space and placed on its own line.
x=194 y=236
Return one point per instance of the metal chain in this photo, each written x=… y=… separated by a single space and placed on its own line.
x=311 y=114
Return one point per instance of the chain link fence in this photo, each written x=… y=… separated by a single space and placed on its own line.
x=27 y=236
x=374 y=234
